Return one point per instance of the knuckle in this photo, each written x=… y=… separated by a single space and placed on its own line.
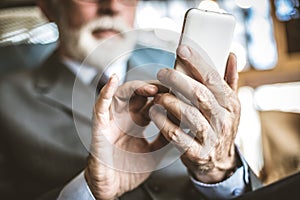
x=169 y=101
x=97 y=113
x=100 y=117
x=213 y=77
x=202 y=132
x=192 y=115
x=225 y=127
x=234 y=106
x=204 y=128
x=174 y=134
x=194 y=154
x=199 y=137
x=165 y=98
x=203 y=98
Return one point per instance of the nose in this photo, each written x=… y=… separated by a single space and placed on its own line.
x=109 y=7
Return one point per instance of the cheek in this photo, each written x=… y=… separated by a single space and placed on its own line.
x=129 y=16
x=78 y=16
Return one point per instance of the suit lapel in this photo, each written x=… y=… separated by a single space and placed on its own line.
x=58 y=86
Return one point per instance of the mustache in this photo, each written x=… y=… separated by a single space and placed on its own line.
x=107 y=23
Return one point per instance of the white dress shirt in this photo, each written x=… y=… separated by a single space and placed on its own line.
x=86 y=74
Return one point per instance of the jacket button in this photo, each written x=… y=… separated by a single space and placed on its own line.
x=237 y=192
x=155 y=188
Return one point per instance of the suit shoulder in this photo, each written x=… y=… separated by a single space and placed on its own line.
x=16 y=89
x=19 y=79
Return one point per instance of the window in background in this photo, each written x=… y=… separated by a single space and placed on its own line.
x=287 y=9
x=254 y=32
x=239 y=45
x=253 y=42
x=288 y=12
x=161 y=22
x=25 y=34
x=25 y=25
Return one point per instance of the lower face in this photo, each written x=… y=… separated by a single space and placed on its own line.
x=98 y=42
x=88 y=28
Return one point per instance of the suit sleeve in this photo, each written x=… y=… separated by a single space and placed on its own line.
x=76 y=189
x=243 y=180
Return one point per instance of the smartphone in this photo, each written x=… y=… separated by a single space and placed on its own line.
x=210 y=33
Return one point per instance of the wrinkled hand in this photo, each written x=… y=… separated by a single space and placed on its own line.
x=211 y=114
x=116 y=163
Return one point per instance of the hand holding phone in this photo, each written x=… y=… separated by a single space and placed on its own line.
x=203 y=109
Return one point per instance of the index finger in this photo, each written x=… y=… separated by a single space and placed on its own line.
x=128 y=89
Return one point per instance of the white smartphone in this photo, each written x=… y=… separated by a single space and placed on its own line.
x=210 y=33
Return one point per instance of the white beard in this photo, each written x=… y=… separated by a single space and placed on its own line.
x=81 y=45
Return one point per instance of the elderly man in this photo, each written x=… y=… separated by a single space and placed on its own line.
x=47 y=137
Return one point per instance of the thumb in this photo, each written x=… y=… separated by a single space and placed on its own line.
x=231 y=74
x=102 y=136
x=102 y=106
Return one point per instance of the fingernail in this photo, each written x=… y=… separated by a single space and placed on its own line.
x=183 y=51
x=114 y=77
x=161 y=74
x=152 y=88
x=114 y=80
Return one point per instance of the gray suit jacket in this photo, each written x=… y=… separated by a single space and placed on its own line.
x=40 y=145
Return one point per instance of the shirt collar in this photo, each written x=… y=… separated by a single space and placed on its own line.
x=84 y=73
x=87 y=73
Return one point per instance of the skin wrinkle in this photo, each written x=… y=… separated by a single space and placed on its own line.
x=210 y=78
x=200 y=130
x=169 y=100
x=200 y=137
x=223 y=100
x=191 y=158
x=122 y=143
x=98 y=191
x=203 y=98
x=190 y=116
x=194 y=65
x=174 y=134
x=225 y=142
x=208 y=166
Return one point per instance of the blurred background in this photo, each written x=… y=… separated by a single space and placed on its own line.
x=267 y=45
